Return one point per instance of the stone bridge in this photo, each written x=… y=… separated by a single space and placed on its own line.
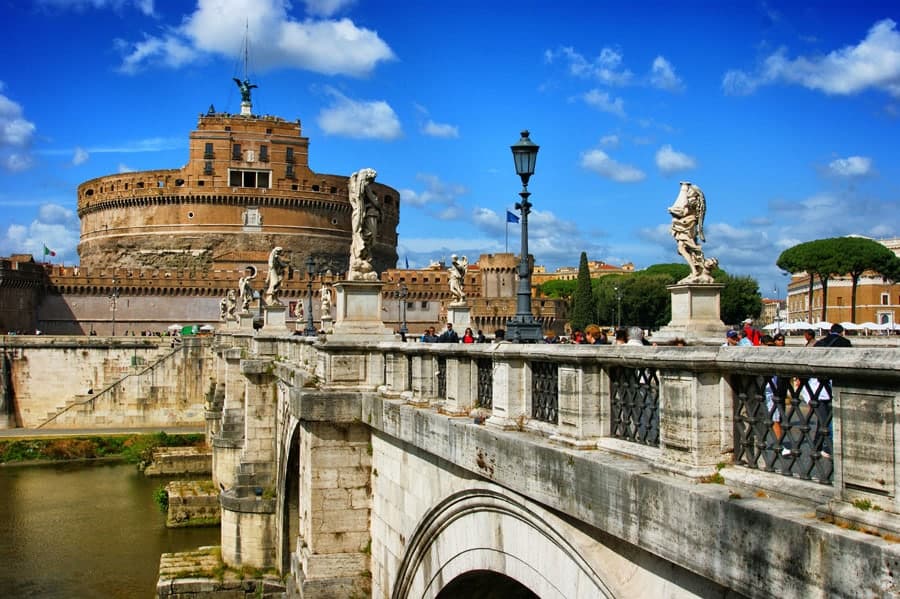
x=391 y=469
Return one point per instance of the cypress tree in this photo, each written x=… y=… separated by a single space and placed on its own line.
x=583 y=309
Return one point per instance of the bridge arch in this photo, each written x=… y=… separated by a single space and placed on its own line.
x=481 y=532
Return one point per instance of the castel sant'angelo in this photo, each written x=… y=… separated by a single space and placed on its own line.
x=246 y=188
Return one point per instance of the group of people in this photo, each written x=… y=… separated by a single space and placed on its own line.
x=451 y=336
x=748 y=336
x=595 y=335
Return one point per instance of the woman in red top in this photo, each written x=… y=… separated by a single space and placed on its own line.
x=468 y=337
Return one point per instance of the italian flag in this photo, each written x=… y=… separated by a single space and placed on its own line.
x=48 y=251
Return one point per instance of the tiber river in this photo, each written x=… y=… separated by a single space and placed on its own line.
x=84 y=531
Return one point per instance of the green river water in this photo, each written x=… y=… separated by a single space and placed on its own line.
x=84 y=530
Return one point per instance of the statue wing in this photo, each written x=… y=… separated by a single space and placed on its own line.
x=238 y=81
x=701 y=216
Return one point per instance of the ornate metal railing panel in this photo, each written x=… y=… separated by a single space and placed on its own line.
x=634 y=395
x=783 y=424
x=441 y=377
x=485 y=396
x=545 y=392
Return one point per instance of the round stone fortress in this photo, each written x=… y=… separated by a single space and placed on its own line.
x=247 y=187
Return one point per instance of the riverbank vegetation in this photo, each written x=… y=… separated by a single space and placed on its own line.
x=134 y=448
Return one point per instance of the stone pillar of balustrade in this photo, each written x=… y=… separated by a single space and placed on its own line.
x=509 y=392
x=423 y=367
x=580 y=422
x=691 y=424
x=259 y=415
x=462 y=380
x=396 y=374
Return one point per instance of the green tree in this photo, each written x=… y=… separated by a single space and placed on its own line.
x=856 y=255
x=740 y=297
x=583 y=309
x=645 y=301
x=817 y=258
x=559 y=289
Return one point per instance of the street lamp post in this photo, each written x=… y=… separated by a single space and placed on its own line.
x=523 y=328
x=402 y=294
x=113 y=304
x=618 y=308
x=310 y=330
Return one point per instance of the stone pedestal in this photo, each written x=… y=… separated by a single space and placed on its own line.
x=328 y=324
x=695 y=314
x=273 y=319
x=232 y=324
x=358 y=311
x=246 y=109
x=245 y=320
x=460 y=316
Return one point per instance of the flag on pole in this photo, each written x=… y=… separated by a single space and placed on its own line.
x=407 y=262
x=48 y=251
x=511 y=218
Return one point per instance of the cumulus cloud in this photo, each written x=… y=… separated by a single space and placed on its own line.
x=124 y=168
x=322 y=45
x=358 y=119
x=438 y=198
x=606 y=67
x=852 y=166
x=599 y=162
x=54 y=225
x=873 y=63
x=662 y=75
x=80 y=156
x=326 y=8
x=16 y=135
x=603 y=101
x=433 y=129
x=609 y=141
x=143 y=6
x=669 y=161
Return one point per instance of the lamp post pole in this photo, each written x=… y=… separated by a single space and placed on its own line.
x=523 y=328
x=310 y=330
x=618 y=308
x=113 y=301
x=402 y=294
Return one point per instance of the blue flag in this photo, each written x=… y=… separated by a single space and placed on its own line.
x=511 y=218
x=407 y=263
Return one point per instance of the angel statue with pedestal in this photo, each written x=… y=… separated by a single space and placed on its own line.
x=688 y=213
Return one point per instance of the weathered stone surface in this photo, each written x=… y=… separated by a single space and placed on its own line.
x=180 y=460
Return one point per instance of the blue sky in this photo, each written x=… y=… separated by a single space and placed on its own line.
x=785 y=114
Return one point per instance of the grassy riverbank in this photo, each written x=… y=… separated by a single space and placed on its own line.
x=132 y=448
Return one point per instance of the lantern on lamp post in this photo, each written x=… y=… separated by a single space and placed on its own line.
x=523 y=328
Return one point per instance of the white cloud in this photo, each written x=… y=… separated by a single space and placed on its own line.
x=606 y=68
x=852 y=166
x=144 y=6
x=440 y=130
x=359 y=119
x=873 y=63
x=662 y=75
x=80 y=156
x=669 y=161
x=599 y=162
x=124 y=168
x=438 y=198
x=603 y=101
x=326 y=8
x=328 y=46
x=609 y=141
x=55 y=225
x=16 y=135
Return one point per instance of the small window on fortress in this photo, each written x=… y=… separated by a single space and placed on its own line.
x=160 y=183
x=334 y=221
x=269 y=131
x=89 y=192
x=289 y=155
x=334 y=190
x=424 y=305
x=126 y=186
x=208 y=152
x=228 y=127
x=315 y=188
x=236 y=152
x=140 y=185
x=294 y=187
x=190 y=215
x=201 y=183
x=263 y=153
x=179 y=182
